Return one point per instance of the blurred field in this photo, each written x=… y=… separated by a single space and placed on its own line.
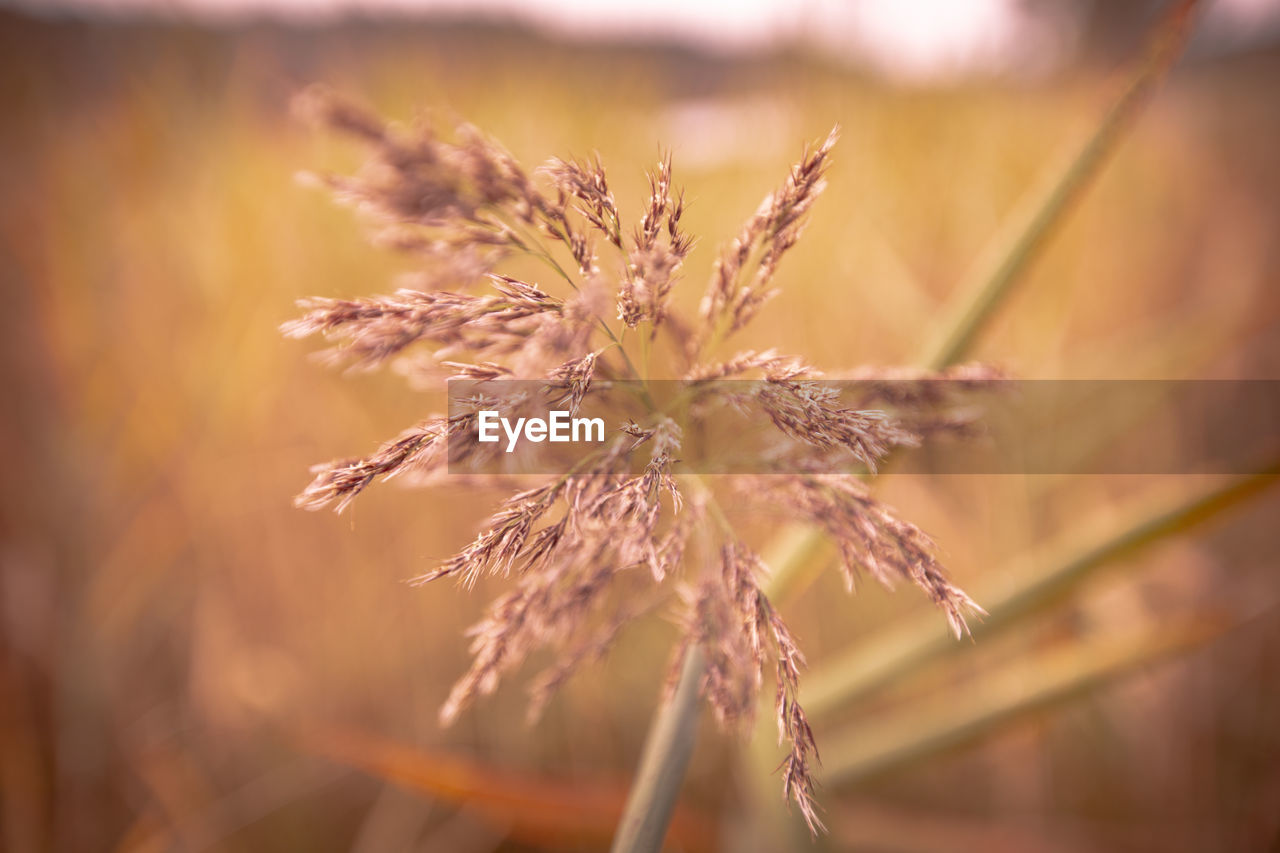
x=178 y=639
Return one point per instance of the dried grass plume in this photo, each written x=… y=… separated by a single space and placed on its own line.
x=590 y=550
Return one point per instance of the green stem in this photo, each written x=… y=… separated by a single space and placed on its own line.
x=1028 y=233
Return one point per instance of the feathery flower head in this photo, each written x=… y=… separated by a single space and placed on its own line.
x=592 y=548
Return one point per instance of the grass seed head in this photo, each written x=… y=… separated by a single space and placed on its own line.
x=588 y=551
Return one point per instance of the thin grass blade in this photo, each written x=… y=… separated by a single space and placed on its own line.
x=1039 y=583
x=1029 y=686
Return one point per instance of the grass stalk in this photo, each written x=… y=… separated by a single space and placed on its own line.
x=1023 y=239
x=669 y=743
x=793 y=552
x=1018 y=689
x=1027 y=233
x=667 y=749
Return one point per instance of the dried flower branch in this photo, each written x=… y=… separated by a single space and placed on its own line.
x=342 y=480
x=738 y=289
x=871 y=537
x=739 y=632
x=653 y=262
x=371 y=331
x=429 y=195
x=587 y=185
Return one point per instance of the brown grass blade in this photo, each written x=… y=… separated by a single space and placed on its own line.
x=534 y=809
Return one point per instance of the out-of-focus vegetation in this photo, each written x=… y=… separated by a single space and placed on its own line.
x=188 y=660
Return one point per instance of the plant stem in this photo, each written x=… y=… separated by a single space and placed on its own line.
x=1028 y=233
x=667 y=750
x=669 y=743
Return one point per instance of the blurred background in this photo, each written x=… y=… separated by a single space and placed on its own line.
x=188 y=662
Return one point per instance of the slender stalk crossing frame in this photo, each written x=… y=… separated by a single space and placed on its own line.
x=667 y=751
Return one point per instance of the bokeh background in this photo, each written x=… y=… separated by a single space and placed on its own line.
x=191 y=663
